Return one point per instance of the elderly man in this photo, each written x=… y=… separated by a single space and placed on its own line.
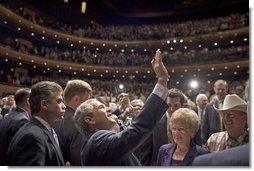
x=106 y=146
x=234 y=114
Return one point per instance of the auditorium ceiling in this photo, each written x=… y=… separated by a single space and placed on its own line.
x=136 y=11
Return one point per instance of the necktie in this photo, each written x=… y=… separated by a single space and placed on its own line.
x=55 y=136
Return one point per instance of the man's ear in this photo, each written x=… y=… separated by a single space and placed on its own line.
x=44 y=104
x=89 y=119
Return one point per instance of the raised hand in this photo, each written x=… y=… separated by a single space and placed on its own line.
x=159 y=68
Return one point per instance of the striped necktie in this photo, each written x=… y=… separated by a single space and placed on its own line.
x=55 y=136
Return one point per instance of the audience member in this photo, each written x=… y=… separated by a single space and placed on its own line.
x=12 y=122
x=201 y=101
x=131 y=112
x=212 y=119
x=107 y=146
x=122 y=102
x=184 y=124
x=235 y=156
x=162 y=134
x=234 y=116
x=70 y=140
x=9 y=106
x=36 y=144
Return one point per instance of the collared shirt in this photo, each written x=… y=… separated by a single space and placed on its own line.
x=46 y=124
x=220 y=141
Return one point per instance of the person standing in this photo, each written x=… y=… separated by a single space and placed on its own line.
x=12 y=122
x=212 y=119
x=161 y=134
x=70 y=140
x=184 y=124
x=201 y=102
x=106 y=146
x=36 y=144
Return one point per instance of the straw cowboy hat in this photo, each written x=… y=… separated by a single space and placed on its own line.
x=233 y=102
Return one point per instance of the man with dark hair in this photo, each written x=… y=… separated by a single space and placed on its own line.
x=36 y=144
x=12 y=122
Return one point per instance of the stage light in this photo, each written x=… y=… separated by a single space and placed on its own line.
x=194 y=84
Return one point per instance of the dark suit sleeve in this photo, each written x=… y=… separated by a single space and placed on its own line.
x=120 y=145
x=146 y=151
x=236 y=156
x=28 y=151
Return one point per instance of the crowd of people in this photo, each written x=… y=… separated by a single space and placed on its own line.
x=71 y=121
x=146 y=31
x=48 y=125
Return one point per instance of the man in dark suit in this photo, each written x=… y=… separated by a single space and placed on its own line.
x=106 y=146
x=70 y=140
x=35 y=143
x=13 y=121
x=212 y=121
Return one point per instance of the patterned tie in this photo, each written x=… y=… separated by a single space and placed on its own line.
x=55 y=136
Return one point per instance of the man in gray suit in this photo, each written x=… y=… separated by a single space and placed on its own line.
x=106 y=146
x=13 y=121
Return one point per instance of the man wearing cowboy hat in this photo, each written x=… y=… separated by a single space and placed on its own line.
x=234 y=116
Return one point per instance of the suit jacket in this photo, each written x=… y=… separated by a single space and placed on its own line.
x=70 y=140
x=115 y=149
x=211 y=122
x=9 y=125
x=166 y=153
x=34 y=145
x=236 y=156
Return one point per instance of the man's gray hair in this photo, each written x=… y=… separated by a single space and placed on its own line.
x=84 y=109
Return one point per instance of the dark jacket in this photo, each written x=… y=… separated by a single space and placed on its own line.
x=211 y=123
x=34 y=145
x=105 y=148
x=70 y=140
x=9 y=125
x=236 y=156
x=166 y=153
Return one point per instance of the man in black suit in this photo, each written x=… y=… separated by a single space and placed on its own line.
x=212 y=120
x=12 y=122
x=106 y=146
x=35 y=144
x=70 y=140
